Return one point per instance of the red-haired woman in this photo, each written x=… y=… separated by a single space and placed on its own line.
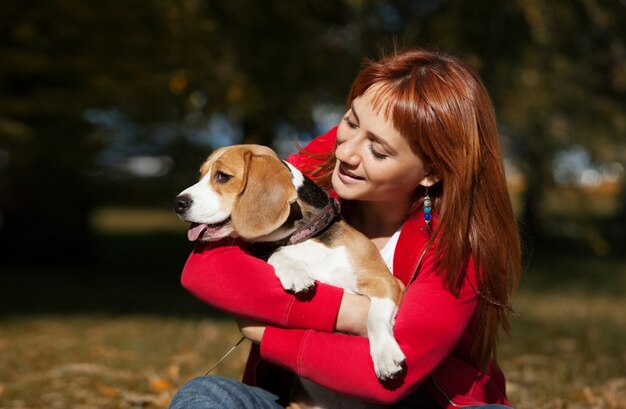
x=417 y=166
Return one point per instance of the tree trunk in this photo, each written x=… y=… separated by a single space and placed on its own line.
x=537 y=170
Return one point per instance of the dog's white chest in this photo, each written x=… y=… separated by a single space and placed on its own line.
x=298 y=265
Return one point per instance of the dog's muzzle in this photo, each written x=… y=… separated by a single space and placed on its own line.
x=182 y=203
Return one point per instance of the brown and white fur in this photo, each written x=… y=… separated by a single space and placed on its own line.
x=246 y=191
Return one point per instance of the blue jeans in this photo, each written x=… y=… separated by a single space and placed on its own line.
x=216 y=392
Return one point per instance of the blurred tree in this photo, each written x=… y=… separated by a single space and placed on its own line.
x=59 y=59
x=568 y=88
x=89 y=84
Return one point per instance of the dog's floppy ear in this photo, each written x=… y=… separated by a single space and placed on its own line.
x=266 y=195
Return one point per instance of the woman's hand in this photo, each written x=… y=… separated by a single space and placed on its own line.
x=352 y=316
x=252 y=330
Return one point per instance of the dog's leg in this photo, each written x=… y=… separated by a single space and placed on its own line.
x=385 y=351
x=385 y=294
x=291 y=272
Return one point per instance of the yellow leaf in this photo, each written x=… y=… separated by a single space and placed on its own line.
x=160 y=384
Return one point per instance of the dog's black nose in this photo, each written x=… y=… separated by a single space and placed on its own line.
x=182 y=203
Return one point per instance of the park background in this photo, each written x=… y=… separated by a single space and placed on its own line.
x=107 y=108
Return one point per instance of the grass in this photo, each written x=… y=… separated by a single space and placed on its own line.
x=123 y=334
x=87 y=361
x=567 y=352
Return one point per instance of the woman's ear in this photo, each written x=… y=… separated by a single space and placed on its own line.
x=264 y=203
x=430 y=178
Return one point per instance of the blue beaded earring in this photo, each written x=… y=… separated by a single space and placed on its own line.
x=427 y=210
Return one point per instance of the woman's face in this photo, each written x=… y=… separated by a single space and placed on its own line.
x=374 y=162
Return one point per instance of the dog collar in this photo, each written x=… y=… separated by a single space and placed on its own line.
x=322 y=220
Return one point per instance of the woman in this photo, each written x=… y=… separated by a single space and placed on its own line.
x=417 y=166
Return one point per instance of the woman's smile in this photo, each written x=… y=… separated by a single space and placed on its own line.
x=348 y=177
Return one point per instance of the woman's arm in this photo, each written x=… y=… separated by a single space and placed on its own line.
x=429 y=324
x=352 y=315
x=231 y=280
x=351 y=319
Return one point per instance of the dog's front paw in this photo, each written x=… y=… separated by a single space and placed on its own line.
x=296 y=283
x=386 y=353
x=292 y=275
x=388 y=358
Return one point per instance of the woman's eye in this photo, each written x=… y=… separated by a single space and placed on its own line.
x=376 y=154
x=221 y=177
x=350 y=123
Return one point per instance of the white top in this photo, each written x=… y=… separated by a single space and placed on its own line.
x=389 y=249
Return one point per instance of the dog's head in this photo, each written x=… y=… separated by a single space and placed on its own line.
x=244 y=190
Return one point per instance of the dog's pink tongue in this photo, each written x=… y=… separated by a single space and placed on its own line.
x=195 y=230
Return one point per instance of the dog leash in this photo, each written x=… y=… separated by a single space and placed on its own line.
x=224 y=356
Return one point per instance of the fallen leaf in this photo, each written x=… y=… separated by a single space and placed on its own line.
x=616 y=393
x=160 y=385
x=174 y=371
x=139 y=399
x=107 y=390
x=588 y=394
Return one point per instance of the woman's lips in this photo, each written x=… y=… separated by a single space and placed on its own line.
x=348 y=177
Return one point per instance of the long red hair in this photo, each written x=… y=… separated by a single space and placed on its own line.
x=440 y=105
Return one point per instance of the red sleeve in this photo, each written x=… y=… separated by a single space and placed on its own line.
x=429 y=324
x=233 y=281
x=315 y=152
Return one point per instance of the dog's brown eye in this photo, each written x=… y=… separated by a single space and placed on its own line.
x=221 y=177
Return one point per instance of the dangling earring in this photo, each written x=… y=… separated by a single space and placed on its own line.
x=427 y=209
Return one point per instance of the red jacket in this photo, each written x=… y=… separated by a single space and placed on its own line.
x=433 y=327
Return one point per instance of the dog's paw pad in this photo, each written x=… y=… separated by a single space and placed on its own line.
x=292 y=274
x=296 y=283
x=388 y=370
x=298 y=286
x=388 y=362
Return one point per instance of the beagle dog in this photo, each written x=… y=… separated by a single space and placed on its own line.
x=247 y=192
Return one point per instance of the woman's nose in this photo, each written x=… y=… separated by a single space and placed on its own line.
x=346 y=152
